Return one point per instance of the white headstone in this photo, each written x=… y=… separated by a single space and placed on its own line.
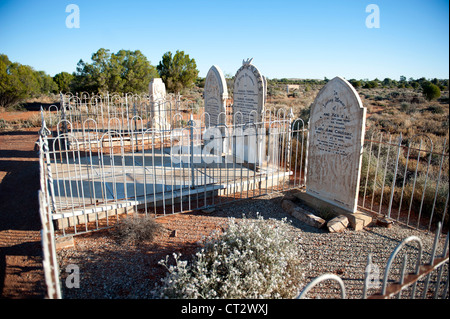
x=249 y=96
x=157 y=99
x=215 y=95
x=249 y=93
x=335 y=144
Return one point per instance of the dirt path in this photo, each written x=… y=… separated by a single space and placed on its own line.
x=21 y=274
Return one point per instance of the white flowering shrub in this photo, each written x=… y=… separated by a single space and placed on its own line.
x=252 y=258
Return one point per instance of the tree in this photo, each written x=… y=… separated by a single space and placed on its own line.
x=17 y=82
x=356 y=84
x=178 y=71
x=387 y=82
x=123 y=72
x=136 y=71
x=430 y=91
x=46 y=83
x=371 y=84
x=63 y=80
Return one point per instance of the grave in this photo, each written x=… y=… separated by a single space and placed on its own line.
x=157 y=100
x=215 y=96
x=249 y=96
x=335 y=145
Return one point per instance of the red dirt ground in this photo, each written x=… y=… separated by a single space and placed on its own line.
x=21 y=274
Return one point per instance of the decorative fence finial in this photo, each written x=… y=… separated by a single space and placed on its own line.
x=44 y=131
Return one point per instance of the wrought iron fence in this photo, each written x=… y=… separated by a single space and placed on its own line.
x=406 y=286
x=49 y=260
x=94 y=175
x=406 y=179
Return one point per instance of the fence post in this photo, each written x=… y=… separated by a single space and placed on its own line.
x=191 y=124
x=399 y=144
x=437 y=184
x=49 y=261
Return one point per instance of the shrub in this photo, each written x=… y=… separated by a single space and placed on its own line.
x=436 y=109
x=431 y=91
x=252 y=259
x=408 y=108
x=134 y=229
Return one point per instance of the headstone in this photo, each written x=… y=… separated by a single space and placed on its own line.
x=215 y=96
x=335 y=143
x=248 y=93
x=157 y=99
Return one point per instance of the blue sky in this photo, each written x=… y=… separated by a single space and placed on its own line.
x=292 y=39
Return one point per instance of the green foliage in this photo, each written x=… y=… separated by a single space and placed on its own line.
x=430 y=91
x=371 y=84
x=123 y=72
x=46 y=83
x=387 y=82
x=19 y=82
x=356 y=84
x=63 y=81
x=177 y=71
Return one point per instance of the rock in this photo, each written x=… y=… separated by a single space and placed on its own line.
x=288 y=206
x=173 y=233
x=385 y=223
x=359 y=220
x=208 y=210
x=302 y=214
x=337 y=224
x=64 y=242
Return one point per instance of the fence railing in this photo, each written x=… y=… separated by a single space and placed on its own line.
x=49 y=260
x=406 y=180
x=94 y=176
x=423 y=272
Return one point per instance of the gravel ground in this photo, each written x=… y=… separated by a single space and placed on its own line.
x=109 y=269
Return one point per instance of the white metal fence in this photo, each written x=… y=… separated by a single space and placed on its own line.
x=406 y=180
x=49 y=260
x=428 y=280
x=95 y=174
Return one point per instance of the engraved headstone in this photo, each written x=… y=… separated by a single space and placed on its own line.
x=215 y=95
x=157 y=99
x=248 y=94
x=336 y=137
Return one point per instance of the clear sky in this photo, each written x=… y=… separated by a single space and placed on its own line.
x=287 y=39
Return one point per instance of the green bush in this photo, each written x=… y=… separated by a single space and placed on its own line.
x=253 y=258
x=430 y=91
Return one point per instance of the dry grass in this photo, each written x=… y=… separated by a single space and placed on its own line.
x=135 y=229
